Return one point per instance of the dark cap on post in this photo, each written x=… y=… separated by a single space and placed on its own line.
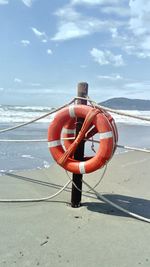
x=82 y=91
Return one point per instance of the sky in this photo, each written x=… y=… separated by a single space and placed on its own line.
x=48 y=46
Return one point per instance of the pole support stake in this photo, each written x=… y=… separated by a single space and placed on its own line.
x=82 y=91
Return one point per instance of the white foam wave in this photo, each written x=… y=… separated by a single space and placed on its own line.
x=129 y=120
x=21 y=114
x=46 y=164
x=18 y=114
x=27 y=156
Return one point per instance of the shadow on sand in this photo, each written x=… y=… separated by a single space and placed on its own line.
x=136 y=205
x=33 y=180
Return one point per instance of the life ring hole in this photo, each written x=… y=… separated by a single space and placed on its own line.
x=68 y=135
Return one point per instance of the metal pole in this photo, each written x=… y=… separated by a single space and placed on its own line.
x=79 y=153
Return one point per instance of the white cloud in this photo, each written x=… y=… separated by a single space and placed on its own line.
x=17 y=80
x=106 y=57
x=146 y=43
x=94 y=2
x=139 y=26
x=113 y=77
x=72 y=24
x=25 y=42
x=38 y=33
x=4 y=2
x=137 y=48
x=114 y=32
x=1 y=89
x=35 y=84
x=140 y=18
x=116 y=10
x=130 y=31
x=44 y=41
x=83 y=66
x=138 y=85
x=70 y=30
x=42 y=91
x=28 y=3
x=136 y=45
x=99 y=56
x=49 y=52
x=67 y=13
x=139 y=88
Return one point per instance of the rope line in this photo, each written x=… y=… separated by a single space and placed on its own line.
x=106 y=200
x=35 y=199
x=134 y=148
x=72 y=138
x=22 y=140
x=54 y=195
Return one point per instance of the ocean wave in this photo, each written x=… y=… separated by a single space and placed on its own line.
x=129 y=120
x=21 y=114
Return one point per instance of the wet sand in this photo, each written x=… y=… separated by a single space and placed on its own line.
x=52 y=233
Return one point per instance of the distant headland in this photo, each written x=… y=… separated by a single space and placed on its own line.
x=127 y=104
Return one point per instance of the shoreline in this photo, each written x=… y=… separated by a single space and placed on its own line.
x=29 y=156
x=53 y=163
x=124 y=162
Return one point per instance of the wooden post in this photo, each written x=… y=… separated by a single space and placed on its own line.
x=79 y=153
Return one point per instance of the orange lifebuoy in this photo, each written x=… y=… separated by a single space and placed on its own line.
x=103 y=127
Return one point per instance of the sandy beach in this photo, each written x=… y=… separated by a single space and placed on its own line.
x=52 y=233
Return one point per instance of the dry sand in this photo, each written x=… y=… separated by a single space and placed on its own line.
x=54 y=234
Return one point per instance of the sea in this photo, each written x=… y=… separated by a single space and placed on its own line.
x=17 y=156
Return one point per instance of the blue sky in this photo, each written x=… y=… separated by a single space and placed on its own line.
x=48 y=46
